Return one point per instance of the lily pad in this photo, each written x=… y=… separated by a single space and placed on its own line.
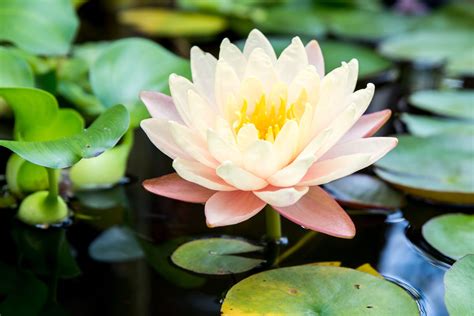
x=459 y=287
x=433 y=46
x=354 y=24
x=438 y=168
x=216 y=256
x=364 y=191
x=171 y=23
x=421 y=125
x=116 y=244
x=457 y=104
x=103 y=134
x=16 y=72
x=317 y=290
x=129 y=66
x=41 y=27
x=451 y=234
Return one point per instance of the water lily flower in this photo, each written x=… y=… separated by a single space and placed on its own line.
x=254 y=128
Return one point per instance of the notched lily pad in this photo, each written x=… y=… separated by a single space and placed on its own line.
x=317 y=290
x=451 y=234
x=216 y=256
x=438 y=168
x=364 y=191
x=459 y=287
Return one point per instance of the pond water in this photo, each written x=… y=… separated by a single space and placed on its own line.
x=390 y=241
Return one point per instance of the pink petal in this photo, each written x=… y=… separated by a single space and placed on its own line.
x=160 y=105
x=377 y=147
x=315 y=56
x=367 y=125
x=228 y=208
x=318 y=211
x=174 y=187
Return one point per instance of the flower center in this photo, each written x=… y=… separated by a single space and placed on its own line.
x=268 y=117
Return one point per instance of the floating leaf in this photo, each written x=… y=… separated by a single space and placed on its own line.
x=116 y=244
x=456 y=104
x=16 y=72
x=158 y=257
x=41 y=27
x=295 y=22
x=438 y=168
x=129 y=66
x=103 y=134
x=316 y=290
x=421 y=125
x=434 y=46
x=459 y=287
x=171 y=23
x=354 y=24
x=451 y=234
x=360 y=190
x=216 y=256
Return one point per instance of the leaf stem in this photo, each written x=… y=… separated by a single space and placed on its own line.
x=53 y=185
x=273 y=224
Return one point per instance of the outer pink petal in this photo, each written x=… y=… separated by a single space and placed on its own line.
x=175 y=187
x=318 y=211
x=160 y=105
x=367 y=125
x=228 y=208
x=315 y=56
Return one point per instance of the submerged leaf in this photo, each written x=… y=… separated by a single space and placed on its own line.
x=451 y=234
x=216 y=256
x=317 y=290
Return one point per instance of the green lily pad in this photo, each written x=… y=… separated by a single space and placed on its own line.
x=421 y=125
x=434 y=46
x=216 y=256
x=456 y=104
x=438 y=168
x=451 y=234
x=158 y=257
x=171 y=23
x=317 y=290
x=16 y=72
x=129 y=66
x=90 y=51
x=459 y=287
x=116 y=244
x=364 y=191
x=41 y=27
x=295 y=21
x=354 y=24
x=103 y=134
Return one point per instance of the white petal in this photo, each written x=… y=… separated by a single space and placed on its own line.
x=227 y=84
x=308 y=80
x=203 y=67
x=286 y=143
x=201 y=113
x=192 y=144
x=179 y=87
x=223 y=150
x=240 y=178
x=159 y=132
x=160 y=105
x=257 y=40
x=251 y=91
x=260 y=66
x=282 y=197
x=232 y=55
x=315 y=56
x=291 y=174
x=195 y=172
x=246 y=136
x=291 y=61
x=260 y=159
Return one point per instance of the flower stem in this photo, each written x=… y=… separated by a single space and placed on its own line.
x=53 y=185
x=299 y=244
x=273 y=224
